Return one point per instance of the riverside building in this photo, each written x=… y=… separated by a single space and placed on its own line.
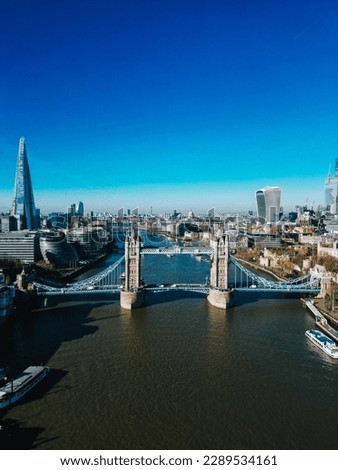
x=21 y=246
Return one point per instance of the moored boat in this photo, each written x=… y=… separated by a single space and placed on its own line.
x=14 y=389
x=323 y=342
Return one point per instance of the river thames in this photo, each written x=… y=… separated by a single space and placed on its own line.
x=176 y=374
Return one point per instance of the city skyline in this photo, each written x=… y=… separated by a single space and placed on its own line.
x=61 y=200
x=169 y=106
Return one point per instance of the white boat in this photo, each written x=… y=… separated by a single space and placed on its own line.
x=14 y=389
x=323 y=342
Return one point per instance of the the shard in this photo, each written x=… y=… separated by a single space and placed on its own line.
x=23 y=204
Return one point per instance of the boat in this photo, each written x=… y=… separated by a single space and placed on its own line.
x=14 y=389
x=325 y=343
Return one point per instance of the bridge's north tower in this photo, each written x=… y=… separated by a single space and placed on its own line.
x=220 y=295
x=132 y=294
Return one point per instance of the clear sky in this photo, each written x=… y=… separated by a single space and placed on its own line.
x=168 y=103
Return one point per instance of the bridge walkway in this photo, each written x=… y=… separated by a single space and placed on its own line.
x=321 y=321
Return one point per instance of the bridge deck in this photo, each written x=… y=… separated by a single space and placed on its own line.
x=188 y=288
x=178 y=250
x=109 y=280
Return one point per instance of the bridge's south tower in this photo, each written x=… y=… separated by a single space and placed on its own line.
x=220 y=295
x=132 y=294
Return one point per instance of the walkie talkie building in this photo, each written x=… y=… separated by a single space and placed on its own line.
x=268 y=204
x=23 y=203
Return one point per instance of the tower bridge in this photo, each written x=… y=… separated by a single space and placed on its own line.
x=124 y=277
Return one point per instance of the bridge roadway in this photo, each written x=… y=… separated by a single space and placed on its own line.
x=201 y=288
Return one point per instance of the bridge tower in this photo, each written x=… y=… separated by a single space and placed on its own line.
x=132 y=294
x=220 y=295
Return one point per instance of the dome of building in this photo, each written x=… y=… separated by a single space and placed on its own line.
x=56 y=250
x=191 y=215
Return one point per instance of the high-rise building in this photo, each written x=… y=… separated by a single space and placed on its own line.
x=23 y=204
x=211 y=212
x=80 y=209
x=20 y=246
x=9 y=223
x=331 y=191
x=268 y=204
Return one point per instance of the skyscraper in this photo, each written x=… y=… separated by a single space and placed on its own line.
x=268 y=203
x=23 y=204
x=80 y=209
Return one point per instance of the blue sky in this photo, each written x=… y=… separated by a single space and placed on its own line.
x=169 y=104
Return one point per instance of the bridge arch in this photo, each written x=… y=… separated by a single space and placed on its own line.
x=132 y=294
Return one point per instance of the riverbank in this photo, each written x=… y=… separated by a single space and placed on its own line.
x=260 y=268
x=318 y=302
x=320 y=305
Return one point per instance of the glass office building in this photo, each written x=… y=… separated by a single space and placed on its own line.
x=23 y=203
x=268 y=204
